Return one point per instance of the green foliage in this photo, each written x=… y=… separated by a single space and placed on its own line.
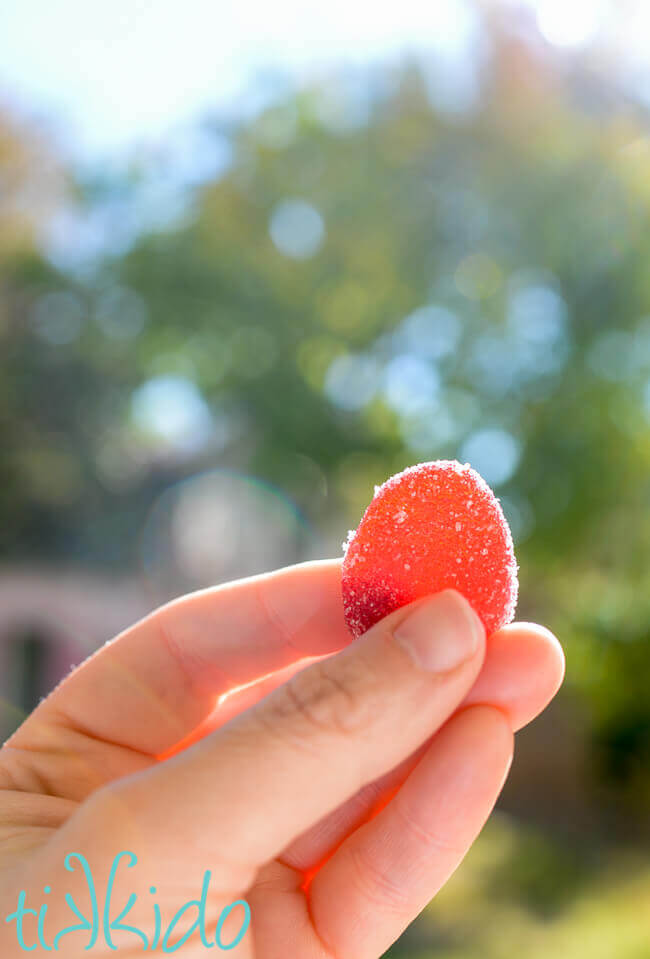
x=523 y=224
x=487 y=910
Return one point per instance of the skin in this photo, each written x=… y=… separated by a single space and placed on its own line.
x=334 y=785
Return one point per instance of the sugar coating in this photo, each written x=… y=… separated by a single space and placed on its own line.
x=433 y=526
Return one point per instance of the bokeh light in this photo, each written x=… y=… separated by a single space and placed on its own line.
x=572 y=24
x=494 y=453
x=431 y=331
x=120 y=313
x=352 y=380
x=297 y=229
x=171 y=411
x=410 y=383
x=217 y=526
x=58 y=317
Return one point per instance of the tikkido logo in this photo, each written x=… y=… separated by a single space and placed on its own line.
x=25 y=926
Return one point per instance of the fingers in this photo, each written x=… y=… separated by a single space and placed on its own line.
x=155 y=683
x=522 y=671
x=312 y=743
x=385 y=873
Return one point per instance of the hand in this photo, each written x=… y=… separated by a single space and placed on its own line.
x=335 y=796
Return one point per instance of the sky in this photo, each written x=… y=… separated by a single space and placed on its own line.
x=113 y=72
x=108 y=74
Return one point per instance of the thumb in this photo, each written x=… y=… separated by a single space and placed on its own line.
x=244 y=792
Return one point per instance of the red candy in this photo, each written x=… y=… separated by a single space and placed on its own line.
x=433 y=526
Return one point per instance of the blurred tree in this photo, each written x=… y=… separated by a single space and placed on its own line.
x=375 y=281
x=33 y=184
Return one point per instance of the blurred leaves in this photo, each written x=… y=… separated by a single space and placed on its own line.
x=530 y=895
x=33 y=186
x=358 y=283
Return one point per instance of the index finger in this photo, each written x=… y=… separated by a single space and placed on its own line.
x=158 y=680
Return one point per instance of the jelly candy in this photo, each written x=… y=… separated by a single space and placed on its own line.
x=434 y=526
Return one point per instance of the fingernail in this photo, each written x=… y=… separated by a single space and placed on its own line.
x=441 y=633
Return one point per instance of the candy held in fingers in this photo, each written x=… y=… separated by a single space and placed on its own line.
x=433 y=526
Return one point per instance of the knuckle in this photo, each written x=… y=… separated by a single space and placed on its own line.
x=101 y=803
x=112 y=804
x=324 y=698
x=122 y=818
x=99 y=814
x=375 y=884
x=427 y=841
x=120 y=807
